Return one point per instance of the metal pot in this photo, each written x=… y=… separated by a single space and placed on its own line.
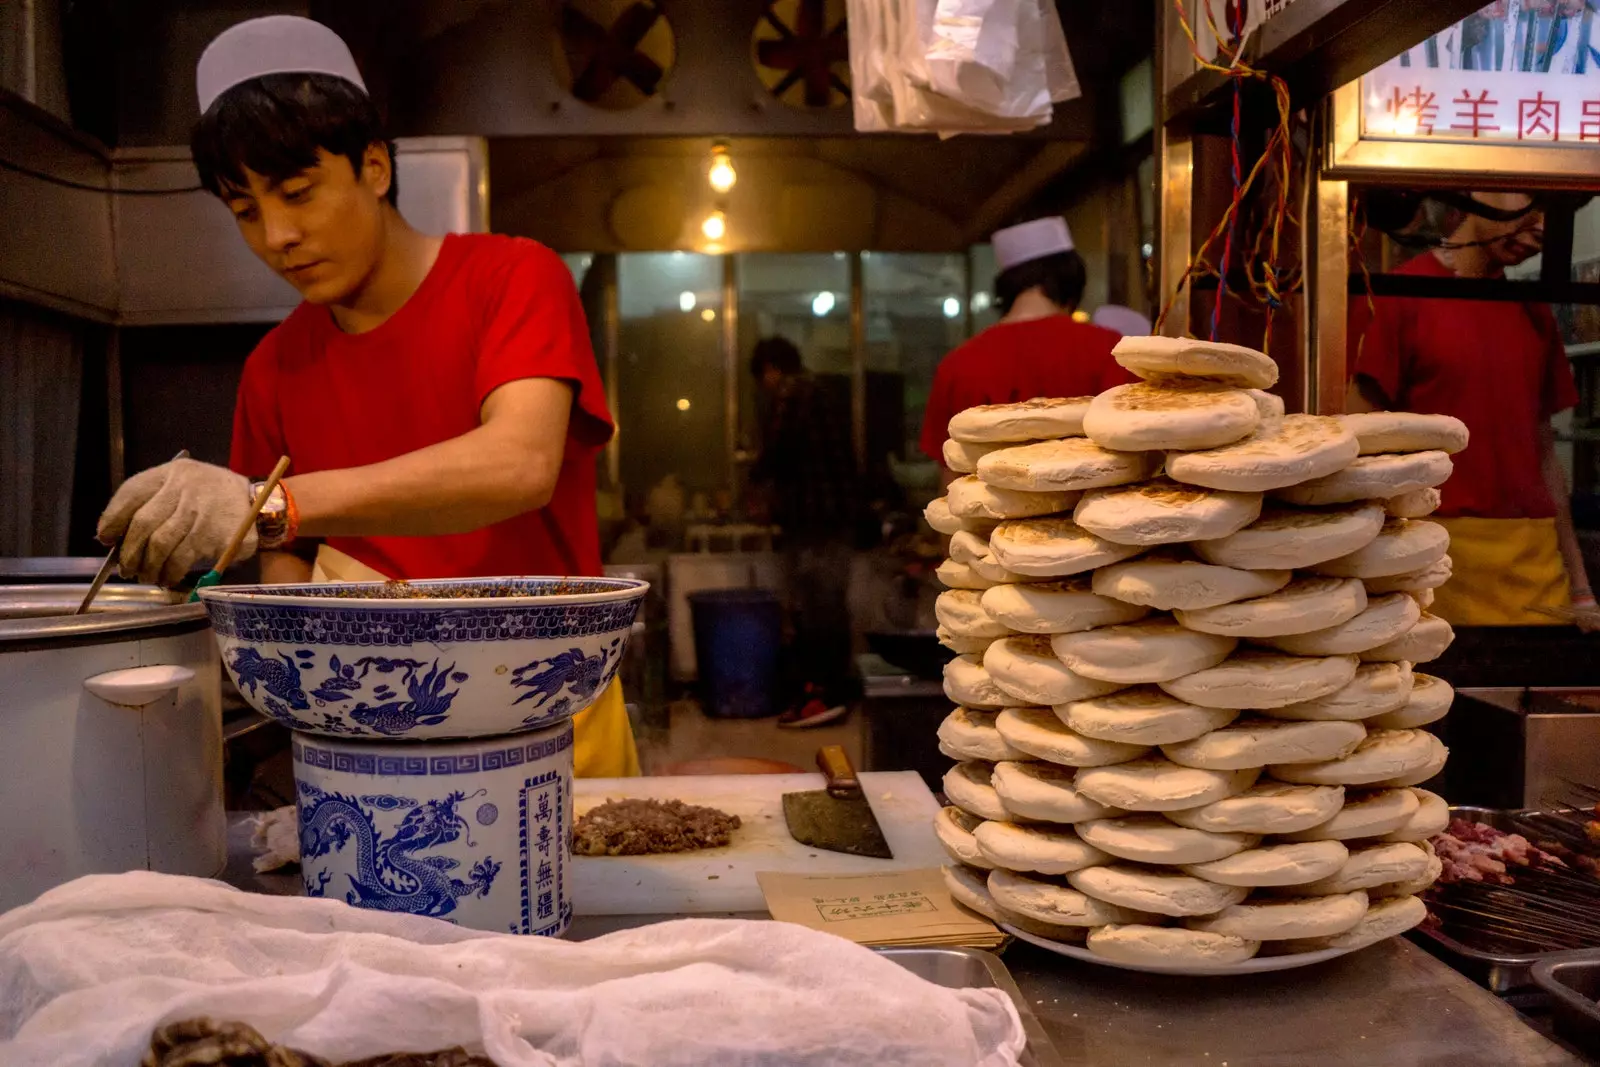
x=111 y=758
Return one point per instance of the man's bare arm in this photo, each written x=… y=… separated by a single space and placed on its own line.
x=284 y=568
x=506 y=466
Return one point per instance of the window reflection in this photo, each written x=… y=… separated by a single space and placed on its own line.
x=916 y=312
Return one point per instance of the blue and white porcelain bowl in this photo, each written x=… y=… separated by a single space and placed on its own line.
x=424 y=661
x=477 y=832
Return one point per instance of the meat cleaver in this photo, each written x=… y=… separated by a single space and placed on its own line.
x=837 y=818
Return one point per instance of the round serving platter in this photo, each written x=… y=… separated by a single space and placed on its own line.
x=1258 y=965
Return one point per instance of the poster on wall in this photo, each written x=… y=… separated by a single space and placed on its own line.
x=1516 y=70
x=1233 y=20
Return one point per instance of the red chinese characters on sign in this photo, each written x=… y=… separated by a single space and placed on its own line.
x=1589 y=128
x=1475 y=114
x=1539 y=118
x=1415 y=110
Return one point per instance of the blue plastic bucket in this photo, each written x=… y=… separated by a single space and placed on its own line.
x=737 y=634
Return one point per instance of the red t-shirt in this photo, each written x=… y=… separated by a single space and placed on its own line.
x=491 y=310
x=1012 y=361
x=1498 y=366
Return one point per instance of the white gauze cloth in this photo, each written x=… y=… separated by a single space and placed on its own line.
x=89 y=969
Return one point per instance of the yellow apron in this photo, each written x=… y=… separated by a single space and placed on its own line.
x=1504 y=569
x=602 y=736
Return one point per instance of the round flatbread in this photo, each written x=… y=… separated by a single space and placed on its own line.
x=1152 y=839
x=1406 y=431
x=1295 y=863
x=1059 y=607
x=990 y=570
x=966 y=682
x=1384 y=756
x=1402 y=546
x=966 y=735
x=1376 y=689
x=1304 y=605
x=1385 y=618
x=1366 y=813
x=964 y=646
x=1051 y=902
x=1162 y=511
x=970 y=500
x=1259 y=742
x=1175 y=414
x=1054 y=548
x=967 y=786
x=1142 y=716
x=1269 y=404
x=968 y=547
x=1265 y=808
x=954 y=829
x=1427 y=772
x=969 y=887
x=1252 y=679
x=1428 y=578
x=1429 y=701
x=1070 y=464
x=1030 y=420
x=1292 y=538
x=1370 y=867
x=1154 y=783
x=1156 y=891
x=1417 y=504
x=1034 y=848
x=943 y=520
x=1386 y=917
x=953 y=575
x=963 y=458
x=1026 y=669
x=1298 y=448
x=1154 y=650
x=1415 y=885
x=1423 y=643
x=1038 y=732
x=1373 y=478
x=1155 y=357
x=960 y=612
x=1045 y=792
x=1167 y=580
x=1431 y=819
x=1268 y=919
x=1168 y=946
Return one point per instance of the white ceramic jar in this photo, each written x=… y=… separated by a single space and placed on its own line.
x=475 y=832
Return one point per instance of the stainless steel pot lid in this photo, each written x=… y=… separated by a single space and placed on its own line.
x=45 y=612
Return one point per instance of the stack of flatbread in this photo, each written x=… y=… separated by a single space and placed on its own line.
x=1189 y=721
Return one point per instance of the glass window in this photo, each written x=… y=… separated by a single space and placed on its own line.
x=578 y=263
x=671 y=414
x=916 y=312
x=984 y=313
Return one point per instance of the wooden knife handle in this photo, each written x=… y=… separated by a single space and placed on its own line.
x=835 y=765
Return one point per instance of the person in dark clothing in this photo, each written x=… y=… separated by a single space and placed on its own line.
x=808 y=467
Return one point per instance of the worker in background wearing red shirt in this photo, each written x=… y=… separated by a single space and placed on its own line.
x=1036 y=349
x=1501 y=368
x=438 y=396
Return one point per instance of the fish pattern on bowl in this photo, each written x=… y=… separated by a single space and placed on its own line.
x=423 y=669
x=473 y=832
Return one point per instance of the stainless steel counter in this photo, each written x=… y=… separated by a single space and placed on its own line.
x=1392 y=1005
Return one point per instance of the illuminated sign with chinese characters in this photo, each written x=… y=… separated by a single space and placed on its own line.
x=1517 y=71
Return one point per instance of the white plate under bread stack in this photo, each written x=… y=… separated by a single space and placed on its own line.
x=1189 y=719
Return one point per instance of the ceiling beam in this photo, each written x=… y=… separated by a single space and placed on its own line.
x=1051 y=159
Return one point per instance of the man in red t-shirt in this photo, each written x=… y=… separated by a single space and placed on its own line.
x=438 y=396
x=1501 y=368
x=1036 y=349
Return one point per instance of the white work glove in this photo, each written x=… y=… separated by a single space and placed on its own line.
x=174 y=516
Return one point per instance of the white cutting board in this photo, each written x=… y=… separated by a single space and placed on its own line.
x=724 y=879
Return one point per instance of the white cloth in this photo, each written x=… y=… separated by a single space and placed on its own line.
x=1030 y=240
x=275 y=44
x=91 y=968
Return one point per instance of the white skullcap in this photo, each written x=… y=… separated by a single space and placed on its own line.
x=276 y=44
x=1123 y=320
x=1030 y=241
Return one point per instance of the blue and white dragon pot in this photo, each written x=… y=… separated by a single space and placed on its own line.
x=427 y=660
x=476 y=832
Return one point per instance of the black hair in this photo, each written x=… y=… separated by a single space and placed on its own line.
x=779 y=353
x=1062 y=276
x=275 y=124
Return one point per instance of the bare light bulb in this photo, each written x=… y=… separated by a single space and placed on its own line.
x=715 y=226
x=683 y=403
x=721 y=175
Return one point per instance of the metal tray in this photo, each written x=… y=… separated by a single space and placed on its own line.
x=1572 y=980
x=971 y=968
x=1500 y=972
